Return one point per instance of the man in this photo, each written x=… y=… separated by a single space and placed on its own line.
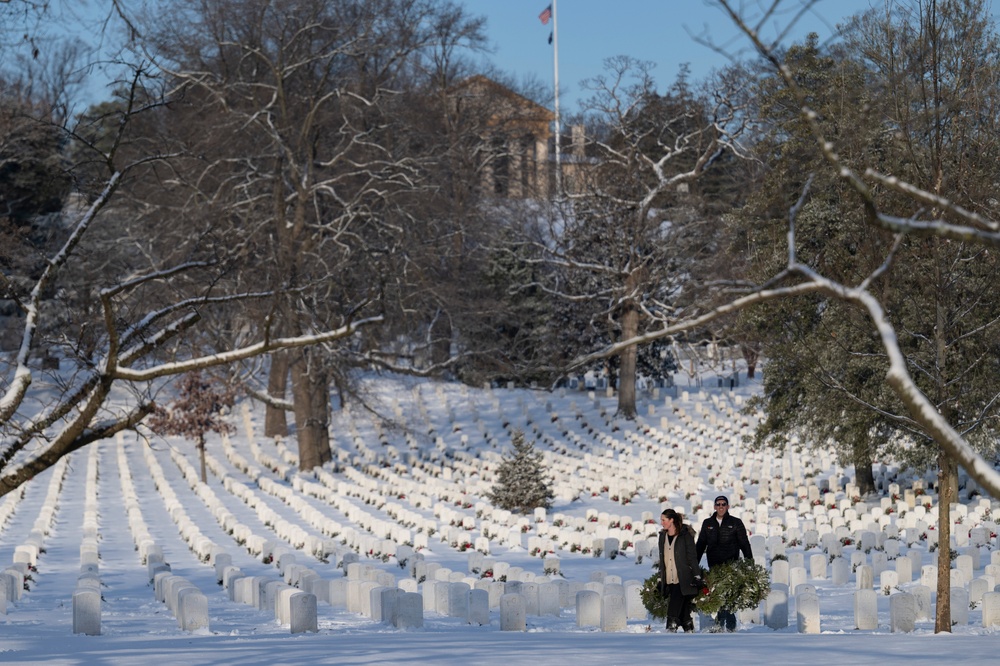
x=722 y=538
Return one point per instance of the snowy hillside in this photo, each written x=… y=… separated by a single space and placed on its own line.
x=402 y=508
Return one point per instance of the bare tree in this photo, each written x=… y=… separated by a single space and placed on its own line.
x=138 y=329
x=934 y=216
x=631 y=233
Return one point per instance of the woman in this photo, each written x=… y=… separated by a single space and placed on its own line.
x=679 y=576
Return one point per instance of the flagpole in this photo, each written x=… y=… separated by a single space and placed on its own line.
x=555 y=76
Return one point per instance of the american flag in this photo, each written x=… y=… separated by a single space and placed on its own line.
x=545 y=15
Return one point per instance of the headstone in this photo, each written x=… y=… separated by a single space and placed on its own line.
x=613 y=616
x=964 y=564
x=776 y=607
x=865 y=577
x=529 y=591
x=479 y=607
x=959 y=606
x=338 y=592
x=977 y=588
x=192 y=610
x=512 y=615
x=902 y=612
x=991 y=609
x=87 y=612
x=588 y=608
x=904 y=570
x=928 y=576
x=386 y=604
x=634 y=608
x=458 y=600
x=548 y=599
x=302 y=616
x=796 y=576
x=817 y=566
x=779 y=572
x=865 y=610
x=409 y=611
x=888 y=581
x=840 y=571
x=807 y=611
x=922 y=599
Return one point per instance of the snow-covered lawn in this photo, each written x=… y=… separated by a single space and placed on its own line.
x=419 y=486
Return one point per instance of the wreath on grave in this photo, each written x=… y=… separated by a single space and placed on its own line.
x=738 y=585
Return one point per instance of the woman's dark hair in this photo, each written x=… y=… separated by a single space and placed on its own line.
x=674 y=516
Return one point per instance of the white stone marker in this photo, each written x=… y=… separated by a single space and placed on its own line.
x=479 y=607
x=548 y=599
x=928 y=576
x=776 y=607
x=817 y=566
x=991 y=609
x=840 y=571
x=530 y=593
x=87 y=612
x=902 y=612
x=865 y=577
x=887 y=582
x=613 y=616
x=977 y=588
x=807 y=611
x=904 y=570
x=192 y=610
x=634 y=608
x=796 y=576
x=302 y=615
x=588 y=608
x=458 y=600
x=865 y=610
x=959 y=606
x=512 y=615
x=409 y=611
x=922 y=598
x=387 y=603
x=779 y=572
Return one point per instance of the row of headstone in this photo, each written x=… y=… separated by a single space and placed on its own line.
x=294 y=605
x=9 y=593
x=87 y=595
x=836 y=567
x=13 y=578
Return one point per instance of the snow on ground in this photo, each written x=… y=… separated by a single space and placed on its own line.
x=430 y=470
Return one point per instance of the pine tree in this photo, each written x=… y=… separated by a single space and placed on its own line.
x=522 y=484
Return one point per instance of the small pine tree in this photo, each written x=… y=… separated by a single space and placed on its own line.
x=522 y=484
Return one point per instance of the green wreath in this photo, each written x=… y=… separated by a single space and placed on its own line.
x=738 y=585
x=654 y=602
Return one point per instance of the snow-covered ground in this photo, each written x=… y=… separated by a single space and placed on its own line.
x=420 y=484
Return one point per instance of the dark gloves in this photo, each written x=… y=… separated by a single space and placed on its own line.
x=700 y=583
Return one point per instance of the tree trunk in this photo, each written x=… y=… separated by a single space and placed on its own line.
x=275 y=419
x=626 y=367
x=863 y=461
x=947 y=486
x=311 y=396
x=750 y=354
x=440 y=341
x=201 y=459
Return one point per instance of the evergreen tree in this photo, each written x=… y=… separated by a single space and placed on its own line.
x=522 y=484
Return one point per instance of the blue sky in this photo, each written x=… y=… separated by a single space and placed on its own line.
x=661 y=31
